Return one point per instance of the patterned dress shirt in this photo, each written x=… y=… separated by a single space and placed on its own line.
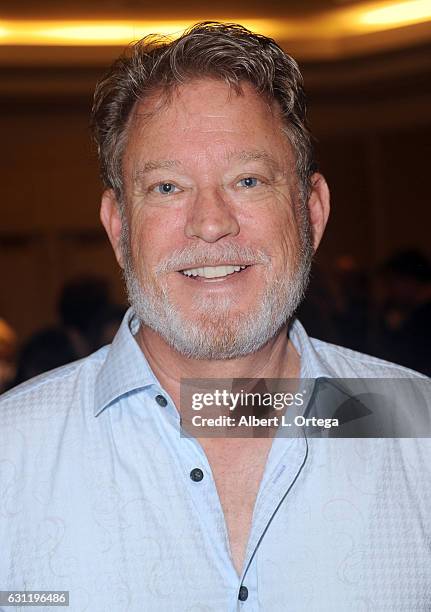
x=97 y=498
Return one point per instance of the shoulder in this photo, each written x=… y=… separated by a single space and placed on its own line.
x=53 y=392
x=342 y=362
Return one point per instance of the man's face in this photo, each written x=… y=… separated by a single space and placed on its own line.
x=215 y=243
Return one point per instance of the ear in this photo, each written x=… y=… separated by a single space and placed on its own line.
x=318 y=206
x=111 y=220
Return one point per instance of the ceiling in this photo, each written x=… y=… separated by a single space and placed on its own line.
x=169 y=9
x=90 y=32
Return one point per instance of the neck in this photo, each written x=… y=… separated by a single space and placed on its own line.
x=277 y=359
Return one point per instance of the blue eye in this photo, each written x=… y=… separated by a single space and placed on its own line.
x=166 y=188
x=249 y=182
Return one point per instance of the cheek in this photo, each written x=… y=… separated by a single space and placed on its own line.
x=275 y=228
x=288 y=233
x=154 y=235
x=142 y=245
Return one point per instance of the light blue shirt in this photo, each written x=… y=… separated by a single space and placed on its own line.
x=96 y=499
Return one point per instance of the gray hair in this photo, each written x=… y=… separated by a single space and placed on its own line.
x=228 y=52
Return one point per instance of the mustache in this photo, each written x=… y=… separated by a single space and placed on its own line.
x=196 y=256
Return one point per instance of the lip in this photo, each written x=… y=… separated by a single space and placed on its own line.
x=221 y=281
x=215 y=265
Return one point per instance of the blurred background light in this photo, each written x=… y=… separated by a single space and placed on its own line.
x=75 y=33
x=398 y=14
x=332 y=23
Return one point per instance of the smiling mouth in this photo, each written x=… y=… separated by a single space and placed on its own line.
x=213 y=271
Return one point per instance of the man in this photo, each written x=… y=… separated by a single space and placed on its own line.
x=214 y=209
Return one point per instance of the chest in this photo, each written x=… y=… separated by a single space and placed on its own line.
x=237 y=471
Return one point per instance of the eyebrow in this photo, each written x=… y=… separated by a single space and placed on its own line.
x=255 y=155
x=157 y=164
x=167 y=164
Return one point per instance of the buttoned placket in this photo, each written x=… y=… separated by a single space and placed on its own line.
x=284 y=464
x=199 y=483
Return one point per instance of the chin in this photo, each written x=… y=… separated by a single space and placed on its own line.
x=219 y=335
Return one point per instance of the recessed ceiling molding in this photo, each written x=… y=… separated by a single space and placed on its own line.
x=339 y=32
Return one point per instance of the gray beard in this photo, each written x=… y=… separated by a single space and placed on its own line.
x=215 y=331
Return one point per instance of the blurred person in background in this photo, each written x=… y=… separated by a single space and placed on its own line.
x=45 y=350
x=317 y=310
x=88 y=321
x=337 y=306
x=8 y=350
x=351 y=313
x=88 y=313
x=404 y=315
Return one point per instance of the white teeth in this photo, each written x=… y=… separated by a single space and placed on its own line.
x=213 y=271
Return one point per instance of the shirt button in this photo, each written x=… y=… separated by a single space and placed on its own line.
x=196 y=474
x=162 y=401
x=243 y=593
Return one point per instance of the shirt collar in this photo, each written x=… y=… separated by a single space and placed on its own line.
x=312 y=364
x=328 y=394
x=126 y=369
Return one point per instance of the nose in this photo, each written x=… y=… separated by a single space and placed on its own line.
x=211 y=217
